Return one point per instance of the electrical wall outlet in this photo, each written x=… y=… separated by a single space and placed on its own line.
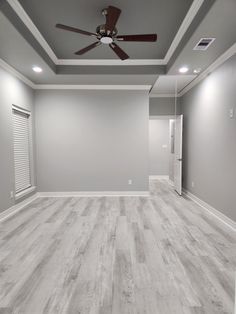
x=193 y=184
x=231 y=113
x=11 y=194
x=130 y=182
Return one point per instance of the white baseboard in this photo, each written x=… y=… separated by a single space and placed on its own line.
x=93 y=193
x=17 y=207
x=158 y=177
x=25 y=192
x=216 y=213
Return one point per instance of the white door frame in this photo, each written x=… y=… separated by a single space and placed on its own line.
x=178 y=163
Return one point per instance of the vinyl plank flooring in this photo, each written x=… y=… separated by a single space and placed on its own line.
x=116 y=255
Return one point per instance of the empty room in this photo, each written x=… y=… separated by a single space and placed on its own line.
x=117 y=157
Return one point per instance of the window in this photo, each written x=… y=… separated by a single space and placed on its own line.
x=22 y=150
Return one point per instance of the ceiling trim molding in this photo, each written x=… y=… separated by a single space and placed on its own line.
x=16 y=6
x=162 y=117
x=21 y=77
x=110 y=62
x=15 y=73
x=183 y=28
x=94 y=87
x=218 y=62
x=162 y=95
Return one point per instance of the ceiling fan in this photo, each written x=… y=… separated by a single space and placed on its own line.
x=107 y=34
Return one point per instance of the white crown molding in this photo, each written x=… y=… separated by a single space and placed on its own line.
x=93 y=193
x=21 y=77
x=183 y=28
x=162 y=117
x=109 y=62
x=15 y=73
x=218 y=62
x=155 y=95
x=16 y=6
x=158 y=177
x=95 y=87
x=211 y=210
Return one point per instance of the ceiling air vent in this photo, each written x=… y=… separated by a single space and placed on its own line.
x=204 y=43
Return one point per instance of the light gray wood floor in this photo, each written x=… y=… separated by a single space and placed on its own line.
x=160 y=254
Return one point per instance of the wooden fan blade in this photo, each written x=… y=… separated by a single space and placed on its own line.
x=76 y=30
x=120 y=53
x=86 y=49
x=112 y=17
x=144 y=37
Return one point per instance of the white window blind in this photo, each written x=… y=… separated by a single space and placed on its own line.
x=21 y=133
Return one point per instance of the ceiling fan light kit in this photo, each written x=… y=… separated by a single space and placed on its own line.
x=107 y=34
x=106 y=40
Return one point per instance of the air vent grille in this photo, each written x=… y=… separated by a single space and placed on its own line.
x=204 y=43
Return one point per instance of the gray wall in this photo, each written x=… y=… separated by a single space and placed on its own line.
x=159 y=147
x=210 y=139
x=163 y=106
x=92 y=140
x=12 y=91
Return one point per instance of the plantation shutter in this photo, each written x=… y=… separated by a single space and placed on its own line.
x=21 y=150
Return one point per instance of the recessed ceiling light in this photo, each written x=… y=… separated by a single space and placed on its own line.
x=37 y=69
x=183 y=69
x=196 y=71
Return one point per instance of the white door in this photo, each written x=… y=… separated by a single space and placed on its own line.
x=178 y=154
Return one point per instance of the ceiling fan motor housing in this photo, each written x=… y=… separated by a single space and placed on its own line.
x=101 y=30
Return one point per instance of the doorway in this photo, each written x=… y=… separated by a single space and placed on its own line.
x=165 y=149
x=161 y=147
